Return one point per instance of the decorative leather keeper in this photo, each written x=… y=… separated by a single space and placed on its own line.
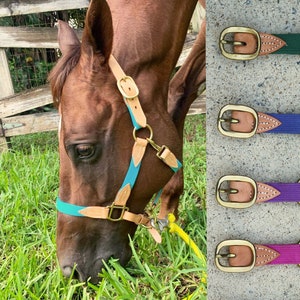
x=244 y=256
x=268 y=43
x=247 y=122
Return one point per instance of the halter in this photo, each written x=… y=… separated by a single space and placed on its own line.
x=130 y=92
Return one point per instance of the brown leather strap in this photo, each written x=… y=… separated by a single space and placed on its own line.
x=245 y=192
x=246 y=122
x=269 y=43
x=243 y=255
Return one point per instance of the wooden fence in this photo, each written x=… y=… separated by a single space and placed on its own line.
x=11 y=104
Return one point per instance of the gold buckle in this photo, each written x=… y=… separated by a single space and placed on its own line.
x=133 y=89
x=235 y=204
x=225 y=256
x=123 y=209
x=237 y=134
x=236 y=56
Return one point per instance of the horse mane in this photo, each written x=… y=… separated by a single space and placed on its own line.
x=60 y=72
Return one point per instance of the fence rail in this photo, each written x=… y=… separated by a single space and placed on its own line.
x=11 y=104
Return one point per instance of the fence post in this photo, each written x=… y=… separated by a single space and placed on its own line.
x=6 y=89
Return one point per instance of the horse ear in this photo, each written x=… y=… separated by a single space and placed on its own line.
x=98 y=31
x=67 y=37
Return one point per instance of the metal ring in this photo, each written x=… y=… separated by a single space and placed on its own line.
x=150 y=131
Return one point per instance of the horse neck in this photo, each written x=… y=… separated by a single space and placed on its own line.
x=148 y=38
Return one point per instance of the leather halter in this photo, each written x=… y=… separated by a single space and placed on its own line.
x=129 y=91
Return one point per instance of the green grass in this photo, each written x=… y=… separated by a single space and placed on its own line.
x=28 y=264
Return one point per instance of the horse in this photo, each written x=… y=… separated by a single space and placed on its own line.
x=121 y=116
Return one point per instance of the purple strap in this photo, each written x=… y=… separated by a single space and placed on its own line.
x=289 y=254
x=289 y=192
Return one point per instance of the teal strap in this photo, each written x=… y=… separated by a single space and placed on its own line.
x=292 y=44
x=68 y=209
x=179 y=166
x=132 y=174
x=133 y=120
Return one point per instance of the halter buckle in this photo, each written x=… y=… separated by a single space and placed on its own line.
x=229 y=204
x=223 y=256
x=127 y=87
x=225 y=42
x=121 y=209
x=223 y=120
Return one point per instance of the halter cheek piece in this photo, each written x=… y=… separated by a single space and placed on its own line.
x=129 y=91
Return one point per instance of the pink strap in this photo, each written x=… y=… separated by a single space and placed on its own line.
x=288 y=254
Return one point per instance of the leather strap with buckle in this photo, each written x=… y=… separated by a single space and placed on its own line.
x=244 y=43
x=243 y=256
x=243 y=192
x=243 y=122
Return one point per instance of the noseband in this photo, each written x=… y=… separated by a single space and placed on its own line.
x=130 y=92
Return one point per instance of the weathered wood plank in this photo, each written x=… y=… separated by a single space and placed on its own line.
x=6 y=89
x=15 y=7
x=30 y=37
x=32 y=123
x=25 y=101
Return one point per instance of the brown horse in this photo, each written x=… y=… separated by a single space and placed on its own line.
x=98 y=208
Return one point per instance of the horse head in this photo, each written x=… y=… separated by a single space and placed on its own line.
x=102 y=140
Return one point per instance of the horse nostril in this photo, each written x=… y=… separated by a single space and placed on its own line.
x=67 y=271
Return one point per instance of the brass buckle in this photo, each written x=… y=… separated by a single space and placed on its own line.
x=225 y=256
x=236 y=56
x=237 y=134
x=235 y=204
x=122 y=210
x=134 y=91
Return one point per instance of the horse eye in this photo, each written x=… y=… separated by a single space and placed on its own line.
x=84 y=151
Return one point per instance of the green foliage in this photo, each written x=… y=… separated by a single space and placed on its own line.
x=28 y=266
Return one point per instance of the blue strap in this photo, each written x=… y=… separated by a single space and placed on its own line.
x=179 y=166
x=68 y=208
x=133 y=120
x=132 y=174
x=290 y=123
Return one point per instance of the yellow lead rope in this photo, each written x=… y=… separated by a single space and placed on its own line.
x=174 y=228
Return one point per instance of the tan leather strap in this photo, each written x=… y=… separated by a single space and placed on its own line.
x=243 y=255
x=246 y=122
x=245 y=192
x=129 y=91
x=269 y=43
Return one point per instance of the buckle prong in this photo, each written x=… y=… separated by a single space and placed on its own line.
x=229 y=255
x=229 y=191
x=234 y=43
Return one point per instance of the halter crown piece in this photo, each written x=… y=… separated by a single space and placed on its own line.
x=130 y=92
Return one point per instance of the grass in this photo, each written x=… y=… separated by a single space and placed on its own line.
x=28 y=265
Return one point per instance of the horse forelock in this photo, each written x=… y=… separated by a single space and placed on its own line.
x=61 y=71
